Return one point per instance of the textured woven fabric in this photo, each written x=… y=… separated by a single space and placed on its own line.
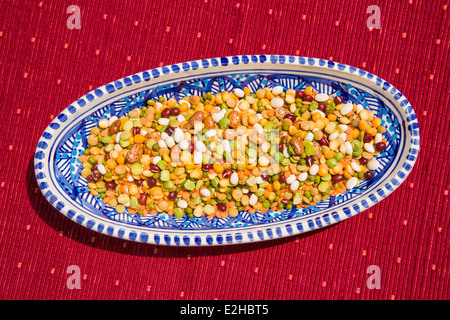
x=45 y=66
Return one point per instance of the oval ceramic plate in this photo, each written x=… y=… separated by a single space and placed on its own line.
x=58 y=170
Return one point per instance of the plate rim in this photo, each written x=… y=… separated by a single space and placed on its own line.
x=262 y=232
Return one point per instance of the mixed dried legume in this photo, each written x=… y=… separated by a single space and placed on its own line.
x=218 y=154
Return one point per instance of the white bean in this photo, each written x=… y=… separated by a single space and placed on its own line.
x=200 y=146
x=259 y=180
x=291 y=179
x=217 y=116
x=101 y=168
x=373 y=164
x=333 y=136
x=226 y=145
x=303 y=176
x=112 y=120
x=348 y=148
x=164 y=136
x=234 y=179
x=253 y=199
x=321 y=97
x=343 y=136
x=359 y=108
x=346 y=109
x=378 y=138
x=277 y=90
x=344 y=127
x=182 y=204
x=369 y=148
x=258 y=128
x=277 y=102
x=156 y=159
x=162 y=144
x=184 y=145
x=205 y=192
x=210 y=133
x=118 y=136
x=169 y=142
x=104 y=123
x=356 y=166
x=181 y=118
x=314 y=169
x=163 y=121
x=309 y=136
x=198 y=157
x=178 y=135
x=294 y=185
x=351 y=183
x=239 y=92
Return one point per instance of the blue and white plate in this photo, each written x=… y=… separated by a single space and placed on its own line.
x=58 y=170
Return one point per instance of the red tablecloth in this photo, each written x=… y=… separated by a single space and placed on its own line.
x=45 y=66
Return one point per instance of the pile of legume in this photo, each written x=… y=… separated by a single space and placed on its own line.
x=218 y=154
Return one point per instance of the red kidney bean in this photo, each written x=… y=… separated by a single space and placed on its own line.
x=94 y=167
x=321 y=106
x=285 y=201
x=281 y=147
x=107 y=156
x=299 y=94
x=172 y=195
x=369 y=174
x=166 y=113
x=338 y=99
x=143 y=199
x=309 y=161
x=308 y=98
x=136 y=130
x=206 y=167
x=323 y=141
x=227 y=173
x=337 y=178
x=175 y=111
x=192 y=147
x=89 y=178
x=380 y=146
x=291 y=117
x=282 y=178
x=221 y=207
x=96 y=175
x=363 y=161
x=111 y=185
x=265 y=175
x=367 y=137
x=154 y=168
x=169 y=130
x=151 y=182
x=138 y=182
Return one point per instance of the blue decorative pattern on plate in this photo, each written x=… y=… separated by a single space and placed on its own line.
x=58 y=170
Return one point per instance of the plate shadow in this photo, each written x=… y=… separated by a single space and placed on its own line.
x=85 y=236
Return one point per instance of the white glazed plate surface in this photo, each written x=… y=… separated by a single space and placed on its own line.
x=58 y=170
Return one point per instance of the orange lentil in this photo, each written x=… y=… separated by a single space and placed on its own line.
x=376 y=122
